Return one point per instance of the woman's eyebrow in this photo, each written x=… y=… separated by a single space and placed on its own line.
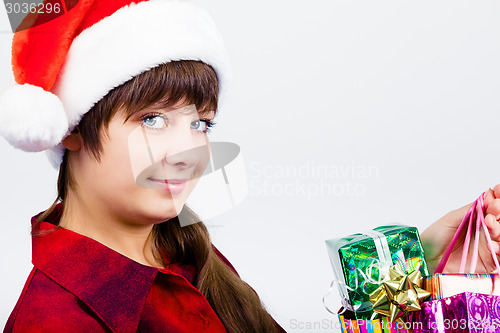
x=206 y=113
x=191 y=109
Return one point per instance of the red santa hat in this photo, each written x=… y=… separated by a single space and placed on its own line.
x=66 y=65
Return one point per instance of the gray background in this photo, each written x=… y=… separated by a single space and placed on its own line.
x=397 y=99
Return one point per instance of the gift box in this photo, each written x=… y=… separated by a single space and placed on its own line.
x=463 y=313
x=446 y=285
x=361 y=262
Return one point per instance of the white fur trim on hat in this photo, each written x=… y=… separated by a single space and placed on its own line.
x=31 y=118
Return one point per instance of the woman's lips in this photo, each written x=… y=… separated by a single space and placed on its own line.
x=174 y=186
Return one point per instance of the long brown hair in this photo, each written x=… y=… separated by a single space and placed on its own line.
x=235 y=302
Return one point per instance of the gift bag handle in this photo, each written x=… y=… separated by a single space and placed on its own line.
x=446 y=256
x=487 y=235
x=465 y=249
x=477 y=209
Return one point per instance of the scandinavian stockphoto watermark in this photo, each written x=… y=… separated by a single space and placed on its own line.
x=44 y=11
x=310 y=179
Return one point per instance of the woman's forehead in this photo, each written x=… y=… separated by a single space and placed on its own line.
x=185 y=110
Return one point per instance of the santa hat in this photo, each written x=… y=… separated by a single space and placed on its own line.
x=66 y=65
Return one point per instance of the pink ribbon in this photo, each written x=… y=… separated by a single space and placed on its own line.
x=475 y=210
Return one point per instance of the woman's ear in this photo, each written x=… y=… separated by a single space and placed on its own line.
x=74 y=141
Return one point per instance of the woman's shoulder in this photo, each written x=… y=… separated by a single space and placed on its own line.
x=45 y=306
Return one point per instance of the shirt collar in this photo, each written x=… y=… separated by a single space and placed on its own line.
x=112 y=285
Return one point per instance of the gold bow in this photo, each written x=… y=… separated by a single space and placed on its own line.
x=399 y=294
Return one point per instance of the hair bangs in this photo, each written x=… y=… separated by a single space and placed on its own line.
x=177 y=82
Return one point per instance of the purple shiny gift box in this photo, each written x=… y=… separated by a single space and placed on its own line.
x=466 y=312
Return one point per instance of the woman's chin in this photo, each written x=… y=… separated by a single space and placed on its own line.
x=163 y=210
x=154 y=206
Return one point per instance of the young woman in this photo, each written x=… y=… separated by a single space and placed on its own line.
x=122 y=94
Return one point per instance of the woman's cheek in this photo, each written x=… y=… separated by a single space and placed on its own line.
x=139 y=152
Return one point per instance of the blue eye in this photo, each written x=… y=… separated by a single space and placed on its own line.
x=156 y=122
x=202 y=125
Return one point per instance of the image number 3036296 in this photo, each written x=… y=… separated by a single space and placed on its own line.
x=25 y=14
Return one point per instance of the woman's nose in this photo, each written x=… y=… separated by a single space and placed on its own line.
x=186 y=149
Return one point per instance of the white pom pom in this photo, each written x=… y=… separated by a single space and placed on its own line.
x=31 y=118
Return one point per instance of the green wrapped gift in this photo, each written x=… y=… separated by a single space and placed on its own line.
x=361 y=261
